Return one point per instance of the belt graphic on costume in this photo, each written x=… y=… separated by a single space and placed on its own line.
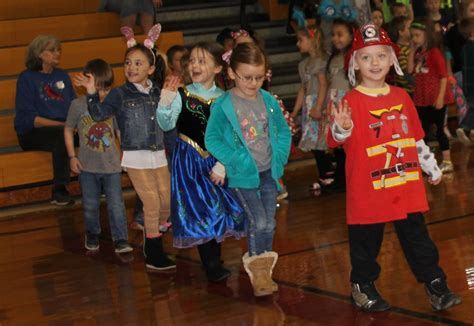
x=397 y=168
x=193 y=144
x=381 y=149
x=396 y=181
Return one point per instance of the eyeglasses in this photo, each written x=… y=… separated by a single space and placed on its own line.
x=249 y=79
x=54 y=49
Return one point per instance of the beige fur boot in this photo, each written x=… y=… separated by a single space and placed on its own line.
x=274 y=284
x=259 y=268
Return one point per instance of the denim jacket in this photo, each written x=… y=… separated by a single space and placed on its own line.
x=135 y=115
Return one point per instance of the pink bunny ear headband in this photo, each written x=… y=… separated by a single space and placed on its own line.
x=149 y=43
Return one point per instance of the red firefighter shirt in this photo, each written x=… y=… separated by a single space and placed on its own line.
x=384 y=179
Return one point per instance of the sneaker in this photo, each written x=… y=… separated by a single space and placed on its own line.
x=61 y=198
x=136 y=226
x=165 y=227
x=366 y=297
x=440 y=295
x=122 y=246
x=463 y=136
x=282 y=194
x=91 y=242
x=446 y=166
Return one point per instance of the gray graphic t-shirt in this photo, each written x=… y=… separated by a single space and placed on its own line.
x=253 y=119
x=98 y=151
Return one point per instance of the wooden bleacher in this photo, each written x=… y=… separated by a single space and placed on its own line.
x=18 y=9
x=84 y=35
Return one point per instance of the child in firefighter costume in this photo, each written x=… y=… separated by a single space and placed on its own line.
x=379 y=128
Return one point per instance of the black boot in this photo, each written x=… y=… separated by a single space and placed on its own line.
x=210 y=257
x=155 y=257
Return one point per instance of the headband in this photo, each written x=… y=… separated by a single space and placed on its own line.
x=418 y=25
x=152 y=37
x=226 y=56
x=239 y=33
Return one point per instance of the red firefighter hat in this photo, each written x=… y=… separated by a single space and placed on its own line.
x=366 y=36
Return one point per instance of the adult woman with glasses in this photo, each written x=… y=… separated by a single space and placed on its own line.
x=43 y=95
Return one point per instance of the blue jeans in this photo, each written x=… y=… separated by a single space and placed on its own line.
x=260 y=206
x=91 y=185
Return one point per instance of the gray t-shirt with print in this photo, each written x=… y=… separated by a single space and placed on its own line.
x=98 y=151
x=253 y=119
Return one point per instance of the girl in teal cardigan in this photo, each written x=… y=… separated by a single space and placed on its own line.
x=249 y=135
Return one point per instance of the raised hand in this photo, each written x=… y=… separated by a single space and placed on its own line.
x=172 y=83
x=342 y=114
x=85 y=80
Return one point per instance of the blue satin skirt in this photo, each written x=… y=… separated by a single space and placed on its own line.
x=200 y=210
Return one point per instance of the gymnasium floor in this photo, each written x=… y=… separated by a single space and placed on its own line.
x=47 y=278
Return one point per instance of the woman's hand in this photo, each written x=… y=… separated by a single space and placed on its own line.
x=75 y=165
x=342 y=114
x=172 y=83
x=85 y=80
x=217 y=179
x=158 y=3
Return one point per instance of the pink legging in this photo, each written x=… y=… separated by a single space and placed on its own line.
x=153 y=188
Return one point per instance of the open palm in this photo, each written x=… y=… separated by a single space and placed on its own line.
x=342 y=114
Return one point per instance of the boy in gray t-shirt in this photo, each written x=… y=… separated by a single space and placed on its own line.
x=98 y=163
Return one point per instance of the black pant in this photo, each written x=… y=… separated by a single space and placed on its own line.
x=323 y=163
x=430 y=115
x=340 y=175
x=420 y=252
x=467 y=122
x=49 y=139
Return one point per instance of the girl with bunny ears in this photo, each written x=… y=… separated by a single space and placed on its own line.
x=133 y=104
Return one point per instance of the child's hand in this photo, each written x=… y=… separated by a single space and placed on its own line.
x=439 y=104
x=435 y=182
x=172 y=83
x=342 y=114
x=85 y=80
x=75 y=165
x=315 y=114
x=217 y=179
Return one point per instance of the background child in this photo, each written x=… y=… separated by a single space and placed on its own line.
x=338 y=86
x=98 y=164
x=204 y=212
x=377 y=17
x=399 y=31
x=311 y=97
x=379 y=129
x=467 y=124
x=174 y=56
x=331 y=9
x=427 y=64
x=133 y=105
x=249 y=135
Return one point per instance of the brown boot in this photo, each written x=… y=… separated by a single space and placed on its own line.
x=274 y=284
x=259 y=269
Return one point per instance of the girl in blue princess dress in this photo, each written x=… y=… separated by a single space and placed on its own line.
x=203 y=210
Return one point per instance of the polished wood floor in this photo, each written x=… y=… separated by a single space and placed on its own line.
x=47 y=278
